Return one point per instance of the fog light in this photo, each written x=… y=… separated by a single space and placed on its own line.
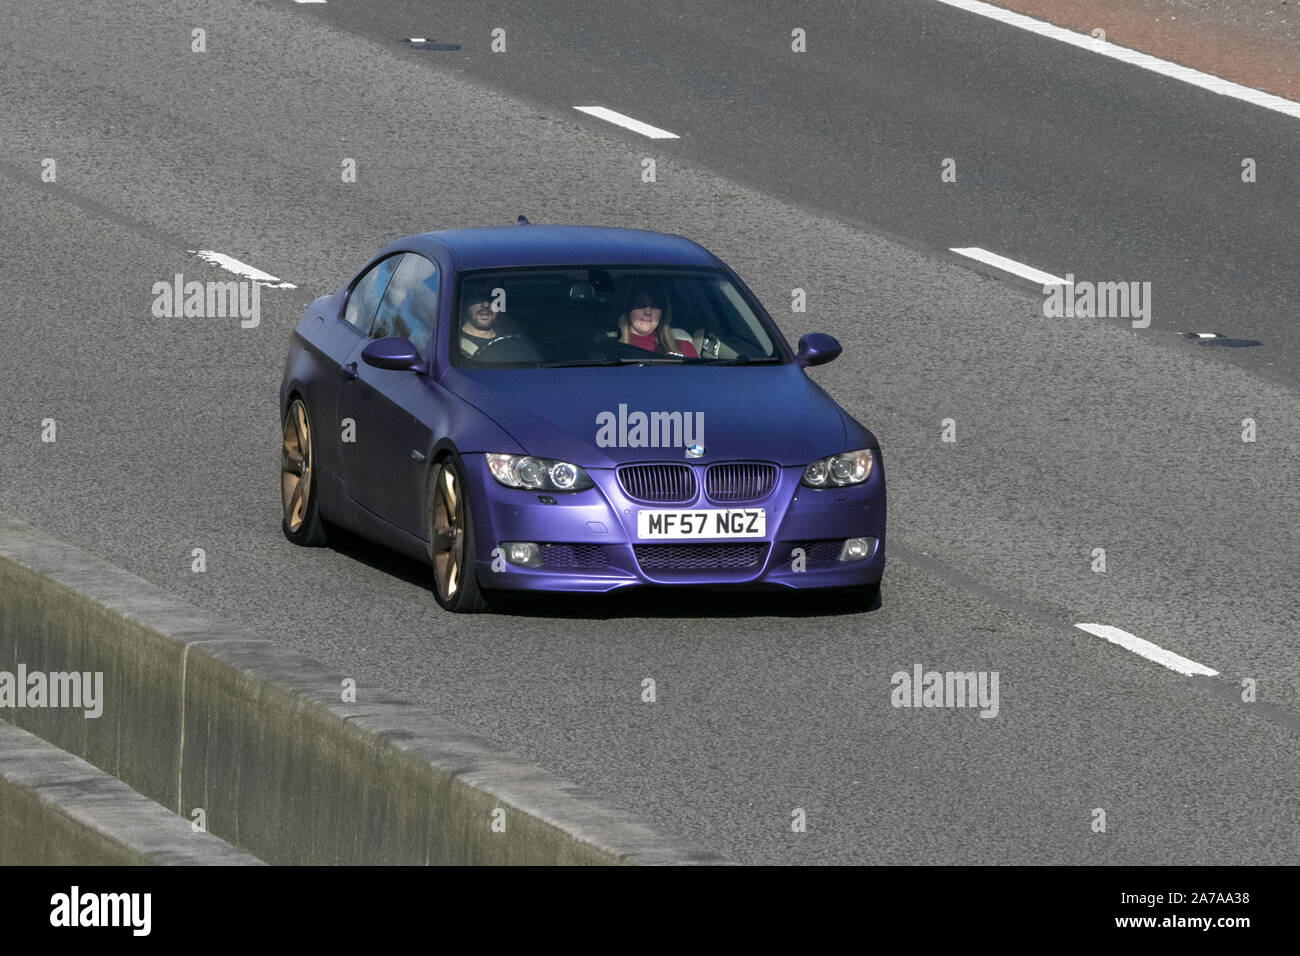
x=855 y=549
x=524 y=553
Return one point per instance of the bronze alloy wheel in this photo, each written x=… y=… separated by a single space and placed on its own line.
x=302 y=522
x=295 y=466
x=451 y=536
x=448 y=535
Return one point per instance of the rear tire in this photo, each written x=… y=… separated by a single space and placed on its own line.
x=301 y=520
x=451 y=541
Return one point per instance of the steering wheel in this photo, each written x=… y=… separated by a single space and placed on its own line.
x=493 y=341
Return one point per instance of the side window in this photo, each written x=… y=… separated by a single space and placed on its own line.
x=409 y=308
x=365 y=294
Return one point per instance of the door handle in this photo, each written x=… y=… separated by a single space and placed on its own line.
x=349 y=371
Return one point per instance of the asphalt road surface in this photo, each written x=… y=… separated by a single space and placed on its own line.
x=819 y=171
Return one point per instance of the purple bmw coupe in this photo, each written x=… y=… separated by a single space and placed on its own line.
x=570 y=408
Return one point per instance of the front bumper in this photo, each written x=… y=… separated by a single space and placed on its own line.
x=589 y=538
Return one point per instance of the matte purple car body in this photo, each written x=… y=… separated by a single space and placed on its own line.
x=405 y=421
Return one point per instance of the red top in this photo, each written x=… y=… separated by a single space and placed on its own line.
x=648 y=343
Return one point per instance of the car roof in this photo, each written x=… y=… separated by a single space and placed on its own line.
x=530 y=245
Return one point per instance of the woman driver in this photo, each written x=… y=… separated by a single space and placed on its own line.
x=644 y=324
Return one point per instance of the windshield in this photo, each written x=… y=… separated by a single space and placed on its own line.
x=605 y=315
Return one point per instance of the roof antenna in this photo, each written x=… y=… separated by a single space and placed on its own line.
x=522 y=220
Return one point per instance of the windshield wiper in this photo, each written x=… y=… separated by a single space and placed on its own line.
x=577 y=363
x=625 y=360
x=744 y=360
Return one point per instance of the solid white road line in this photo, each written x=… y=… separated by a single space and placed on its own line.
x=1205 y=81
x=627 y=122
x=231 y=264
x=1035 y=276
x=1151 y=652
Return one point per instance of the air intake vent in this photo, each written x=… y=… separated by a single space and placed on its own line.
x=700 y=557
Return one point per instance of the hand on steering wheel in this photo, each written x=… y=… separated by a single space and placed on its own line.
x=494 y=340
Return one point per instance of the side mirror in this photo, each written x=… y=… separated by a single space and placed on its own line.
x=392 y=353
x=817 y=348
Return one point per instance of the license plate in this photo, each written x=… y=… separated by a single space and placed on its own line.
x=702 y=523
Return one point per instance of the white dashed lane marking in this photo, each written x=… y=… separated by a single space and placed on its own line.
x=627 y=122
x=1152 y=652
x=1036 y=276
x=231 y=264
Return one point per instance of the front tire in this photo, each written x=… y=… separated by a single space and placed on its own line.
x=301 y=520
x=451 y=541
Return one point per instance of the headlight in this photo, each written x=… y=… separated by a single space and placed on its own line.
x=838 y=471
x=537 y=474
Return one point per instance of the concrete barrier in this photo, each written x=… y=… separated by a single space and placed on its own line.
x=197 y=715
x=58 y=810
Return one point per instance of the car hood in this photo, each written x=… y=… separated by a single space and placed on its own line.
x=773 y=413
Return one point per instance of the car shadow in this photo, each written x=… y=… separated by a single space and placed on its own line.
x=687 y=602
x=378 y=557
x=678 y=603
